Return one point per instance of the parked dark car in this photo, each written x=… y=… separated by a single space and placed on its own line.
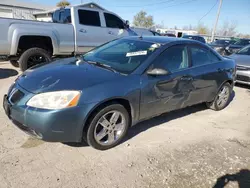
x=195 y=37
x=220 y=45
x=99 y=96
x=169 y=35
x=242 y=59
x=233 y=48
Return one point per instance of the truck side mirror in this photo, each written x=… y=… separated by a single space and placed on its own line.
x=127 y=23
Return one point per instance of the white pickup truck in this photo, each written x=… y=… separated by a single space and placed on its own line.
x=74 y=30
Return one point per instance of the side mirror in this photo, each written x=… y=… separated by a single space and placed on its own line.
x=157 y=72
x=127 y=23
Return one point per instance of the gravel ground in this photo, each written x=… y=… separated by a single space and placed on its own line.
x=193 y=147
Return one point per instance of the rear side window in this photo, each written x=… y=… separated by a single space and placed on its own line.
x=113 y=21
x=173 y=59
x=201 y=56
x=87 y=17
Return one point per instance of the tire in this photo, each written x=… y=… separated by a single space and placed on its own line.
x=42 y=55
x=214 y=105
x=14 y=63
x=91 y=134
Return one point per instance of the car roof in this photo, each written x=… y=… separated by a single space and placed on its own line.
x=156 y=39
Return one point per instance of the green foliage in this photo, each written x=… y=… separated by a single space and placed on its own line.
x=202 y=29
x=63 y=3
x=142 y=20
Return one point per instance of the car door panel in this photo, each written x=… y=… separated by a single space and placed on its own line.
x=87 y=31
x=115 y=27
x=205 y=72
x=165 y=93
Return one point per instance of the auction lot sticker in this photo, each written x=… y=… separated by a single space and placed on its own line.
x=130 y=54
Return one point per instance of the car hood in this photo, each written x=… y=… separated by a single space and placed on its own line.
x=65 y=74
x=243 y=60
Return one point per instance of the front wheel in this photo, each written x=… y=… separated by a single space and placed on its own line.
x=108 y=126
x=222 y=98
x=32 y=57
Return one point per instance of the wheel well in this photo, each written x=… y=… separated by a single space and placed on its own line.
x=27 y=42
x=230 y=82
x=125 y=103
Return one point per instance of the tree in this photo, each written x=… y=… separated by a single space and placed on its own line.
x=202 y=29
x=63 y=3
x=228 y=29
x=142 y=20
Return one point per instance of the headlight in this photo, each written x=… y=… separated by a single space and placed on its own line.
x=55 y=100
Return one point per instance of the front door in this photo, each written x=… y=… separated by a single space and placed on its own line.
x=161 y=94
x=89 y=30
x=115 y=27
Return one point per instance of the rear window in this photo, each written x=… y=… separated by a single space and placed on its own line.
x=87 y=17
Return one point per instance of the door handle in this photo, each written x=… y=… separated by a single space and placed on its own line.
x=82 y=31
x=111 y=33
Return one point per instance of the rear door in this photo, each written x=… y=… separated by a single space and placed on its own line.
x=168 y=92
x=89 y=29
x=115 y=27
x=206 y=73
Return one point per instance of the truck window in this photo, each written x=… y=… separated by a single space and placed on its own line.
x=62 y=16
x=87 y=17
x=113 y=21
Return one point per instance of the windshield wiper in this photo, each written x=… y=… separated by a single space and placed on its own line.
x=102 y=65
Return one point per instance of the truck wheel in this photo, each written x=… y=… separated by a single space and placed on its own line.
x=14 y=63
x=32 y=57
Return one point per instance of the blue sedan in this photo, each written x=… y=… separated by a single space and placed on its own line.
x=97 y=97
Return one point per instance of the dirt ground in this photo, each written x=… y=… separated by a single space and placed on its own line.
x=193 y=147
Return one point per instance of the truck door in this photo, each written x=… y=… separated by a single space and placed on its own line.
x=89 y=29
x=115 y=27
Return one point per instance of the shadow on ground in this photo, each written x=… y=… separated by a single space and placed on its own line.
x=167 y=117
x=242 y=178
x=6 y=73
x=242 y=86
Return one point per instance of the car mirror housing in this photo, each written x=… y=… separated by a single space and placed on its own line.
x=157 y=72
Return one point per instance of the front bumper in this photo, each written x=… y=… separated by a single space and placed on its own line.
x=64 y=125
x=243 y=77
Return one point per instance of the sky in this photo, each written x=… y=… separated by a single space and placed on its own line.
x=171 y=13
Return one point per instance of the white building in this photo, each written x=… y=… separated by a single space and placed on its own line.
x=45 y=16
x=20 y=9
x=176 y=32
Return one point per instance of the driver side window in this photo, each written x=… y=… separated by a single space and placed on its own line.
x=173 y=59
x=113 y=21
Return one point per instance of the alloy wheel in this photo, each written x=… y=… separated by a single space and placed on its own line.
x=109 y=128
x=223 y=96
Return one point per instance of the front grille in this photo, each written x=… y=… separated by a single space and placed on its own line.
x=243 y=78
x=15 y=96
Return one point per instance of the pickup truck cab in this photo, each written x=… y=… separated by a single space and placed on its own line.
x=75 y=30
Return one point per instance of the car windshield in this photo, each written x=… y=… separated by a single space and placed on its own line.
x=122 y=55
x=244 y=51
x=242 y=42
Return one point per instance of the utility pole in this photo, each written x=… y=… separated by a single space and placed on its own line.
x=216 y=22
